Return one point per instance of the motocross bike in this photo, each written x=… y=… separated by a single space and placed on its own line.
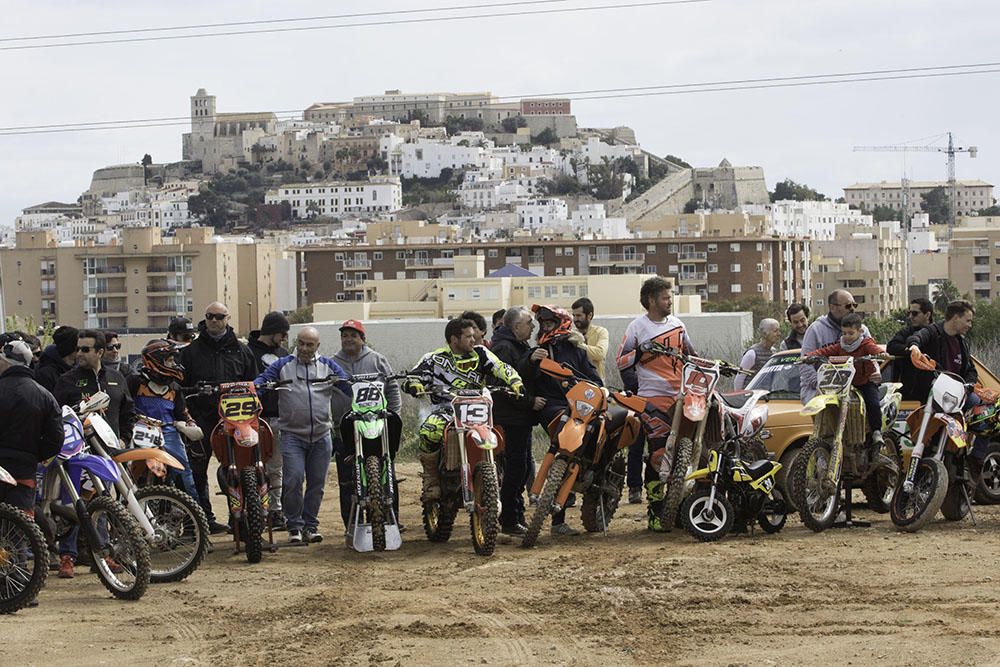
x=172 y=522
x=937 y=476
x=373 y=433
x=243 y=442
x=837 y=457
x=467 y=470
x=698 y=408
x=23 y=562
x=587 y=453
x=115 y=540
x=731 y=491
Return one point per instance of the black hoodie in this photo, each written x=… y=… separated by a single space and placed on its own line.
x=506 y=409
x=30 y=423
x=210 y=360
x=265 y=356
x=50 y=367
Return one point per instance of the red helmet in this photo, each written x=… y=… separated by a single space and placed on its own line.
x=564 y=322
x=159 y=360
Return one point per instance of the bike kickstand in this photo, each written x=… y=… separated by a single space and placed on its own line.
x=968 y=502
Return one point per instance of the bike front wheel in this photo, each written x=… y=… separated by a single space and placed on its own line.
x=180 y=529
x=123 y=564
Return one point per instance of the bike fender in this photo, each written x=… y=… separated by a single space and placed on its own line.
x=99 y=466
x=150 y=454
x=571 y=435
x=370 y=430
x=956 y=430
x=700 y=473
x=6 y=477
x=818 y=403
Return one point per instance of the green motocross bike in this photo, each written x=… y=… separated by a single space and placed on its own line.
x=372 y=431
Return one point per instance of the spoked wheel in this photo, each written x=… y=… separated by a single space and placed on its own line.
x=24 y=562
x=374 y=506
x=677 y=486
x=774 y=512
x=816 y=501
x=706 y=518
x=544 y=506
x=484 y=518
x=181 y=532
x=123 y=565
x=911 y=511
x=253 y=514
x=600 y=502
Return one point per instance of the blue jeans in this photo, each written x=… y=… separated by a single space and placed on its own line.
x=172 y=443
x=304 y=461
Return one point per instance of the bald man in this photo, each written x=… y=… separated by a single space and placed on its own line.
x=305 y=419
x=215 y=356
x=824 y=331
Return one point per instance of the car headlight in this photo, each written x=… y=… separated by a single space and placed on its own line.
x=584 y=408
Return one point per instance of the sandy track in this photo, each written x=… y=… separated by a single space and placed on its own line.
x=842 y=597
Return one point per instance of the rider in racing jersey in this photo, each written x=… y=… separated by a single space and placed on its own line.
x=461 y=364
x=658 y=377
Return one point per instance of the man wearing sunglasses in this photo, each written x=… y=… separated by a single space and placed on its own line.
x=216 y=355
x=920 y=315
x=112 y=354
x=824 y=331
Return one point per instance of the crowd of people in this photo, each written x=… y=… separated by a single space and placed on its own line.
x=36 y=380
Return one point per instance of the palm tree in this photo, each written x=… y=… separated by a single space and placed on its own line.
x=945 y=292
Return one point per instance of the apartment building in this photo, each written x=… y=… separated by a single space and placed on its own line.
x=973 y=195
x=377 y=195
x=141 y=282
x=714 y=268
x=974 y=261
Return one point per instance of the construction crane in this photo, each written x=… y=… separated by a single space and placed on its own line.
x=950 y=150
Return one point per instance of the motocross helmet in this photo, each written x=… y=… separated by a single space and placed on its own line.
x=564 y=322
x=985 y=419
x=159 y=359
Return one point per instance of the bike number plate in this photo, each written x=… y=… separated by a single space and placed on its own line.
x=767 y=484
x=831 y=377
x=238 y=408
x=472 y=413
x=144 y=435
x=699 y=380
x=368 y=395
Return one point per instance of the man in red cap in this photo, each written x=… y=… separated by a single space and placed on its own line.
x=357 y=358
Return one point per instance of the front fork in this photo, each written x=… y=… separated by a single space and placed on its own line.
x=667 y=463
x=834 y=471
x=82 y=513
x=918 y=452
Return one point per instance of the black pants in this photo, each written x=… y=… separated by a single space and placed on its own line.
x=20 y=496
x=517 y=461
x=200 y=455
x=636 y=460
x=873 y=411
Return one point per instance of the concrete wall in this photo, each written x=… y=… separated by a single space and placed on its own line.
x=404 y=342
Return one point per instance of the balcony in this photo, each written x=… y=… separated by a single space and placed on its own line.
x=429 y=263
x=162 y=288
x=692 y=257
x=352 y=284
x=357 y=264
x=980 y=252
x=164 y=267
x=163 y=307
x=113 y=269
x=981 y=284
x=694 y=278
x=631 y=259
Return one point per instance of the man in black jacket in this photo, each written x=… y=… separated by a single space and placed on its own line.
x=516 y=416
x=215 y=356
x=30 y=423
x=555 y=327
x=57 y=358
x=267 y=345
x=920 y=315
x=945 y=343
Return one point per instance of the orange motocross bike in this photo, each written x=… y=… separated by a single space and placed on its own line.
x=587 y=454
x=243 y=442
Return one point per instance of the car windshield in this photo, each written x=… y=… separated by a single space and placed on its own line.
x=779 y=377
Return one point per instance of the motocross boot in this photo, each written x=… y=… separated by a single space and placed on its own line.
x=431 y=476
x=654 y=494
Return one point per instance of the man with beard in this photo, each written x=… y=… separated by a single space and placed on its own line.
x=825 y=331
x=797 y=315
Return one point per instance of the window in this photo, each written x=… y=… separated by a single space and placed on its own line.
x=551 y=290
x=734 y=247
x=339 y=256
x=672 y=268
x=559 y=270
x=339 y=277
x=713 y=247
x=818 y=286
x=400 y=275
x=492 y=252
x=559 y=252
x=734 y=268
x=649 y=268
x=570 y=271
x=340 y=296
x=760 y=267
x=736 y=288
x=713 y=268
x=534 y=292
x=651 y=250
x=378 y=275
x=569 y=290
x=760 y=246
x=400 y=254
x=377 y=255
x=713 y=289
x=760 y=287
x=672 y=248
x=474 y=293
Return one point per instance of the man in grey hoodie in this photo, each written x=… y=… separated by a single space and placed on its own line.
x=823 y=331
x=356 y=358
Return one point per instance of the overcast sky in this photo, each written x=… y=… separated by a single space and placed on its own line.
x=803 y=133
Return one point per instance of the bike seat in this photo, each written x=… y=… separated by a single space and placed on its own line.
x=616 y=418
x=758 y=469
x=736 y=400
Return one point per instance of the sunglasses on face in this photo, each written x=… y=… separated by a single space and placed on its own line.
x=86 y=349
x=115 y=346
x=914 y=313
x=851 y=306
x=216 y=316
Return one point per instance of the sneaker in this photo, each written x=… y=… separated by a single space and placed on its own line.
x=278 y=520
x=216 y=528
x=564 y=530
x=113 y=565
x=295 y=536
x=517 y=530
x=635 y=495
x=66 y=567
x=313 y=535
x=571 y=500
x=877 y=439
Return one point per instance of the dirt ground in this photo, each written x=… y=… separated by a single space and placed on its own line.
x=854 y=596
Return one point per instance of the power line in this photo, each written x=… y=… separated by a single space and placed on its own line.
x=592 y=94
x=366 y=24
x=202 y=26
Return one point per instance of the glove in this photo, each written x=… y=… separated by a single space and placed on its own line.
x=576 y=338
x=412 y=386
x=518 y=389
x=646 y=347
